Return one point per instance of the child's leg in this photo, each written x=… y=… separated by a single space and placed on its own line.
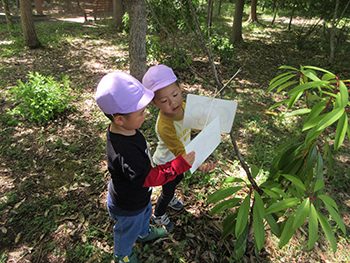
x=167 y=194
x=128 y=228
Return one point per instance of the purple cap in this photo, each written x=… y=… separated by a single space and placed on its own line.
x=119 y=92
x=158 y=77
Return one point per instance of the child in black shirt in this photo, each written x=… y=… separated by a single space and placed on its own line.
x=123 y=99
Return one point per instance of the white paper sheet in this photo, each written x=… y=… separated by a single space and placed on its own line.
x=205 y=143
x=198 y=108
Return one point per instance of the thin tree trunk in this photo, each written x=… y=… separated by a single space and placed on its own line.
x=8 y=15
x=252 y=16
x=29 y=34
x=237 y=22
x=210 y=12
x=219 y=10
x=118 y=13
x=137 y=42
x=331 y=57
x=291 y=17
x=39 y=7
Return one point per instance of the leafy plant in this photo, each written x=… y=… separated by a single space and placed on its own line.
x=40 y=98
x=294 y=189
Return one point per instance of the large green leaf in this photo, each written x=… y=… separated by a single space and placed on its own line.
x=273 y=224
x=296 y=181
x=254 y=170
x=274 y=195
x=327 y=230
x=293 y=99
x=296 y=113
x=241 y=243
x=308 y=85
x=342 y=127
x=312 y=135
x=344 y=95
x=301 y=213
x=288 y=67
x=223 y=193
x=311 y=75
x=319 y=69
x=328 y=200
x=259 y=203
x=319 y=166
x=259 y=230
x=313 y=227
x=319 y=184
x=224 y=205
x=288 y=156
x=229 y=225
x=287 y=232
x=282 y=205
x=286 y=85
x=336 y=217
x=242 y=216
x=330 y=118
x=274 y=82
x=311 y=157
x=280 y=191
x=312 y=122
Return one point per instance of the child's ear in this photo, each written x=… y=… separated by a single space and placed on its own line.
x=153 y=103
x=118 y=120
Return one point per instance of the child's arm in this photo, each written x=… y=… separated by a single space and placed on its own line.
x=161 y=174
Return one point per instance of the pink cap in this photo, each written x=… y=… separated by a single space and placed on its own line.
x=119 y=92
x=158 y=77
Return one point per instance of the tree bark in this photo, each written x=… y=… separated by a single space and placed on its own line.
x=29 y=34
x=252 y=16
x=331 y=56
x=137 y=42
x=8 y=15
x=237 y=22
x=219 y=10
x=39 y=7
x=210 y=12
x=118 y=13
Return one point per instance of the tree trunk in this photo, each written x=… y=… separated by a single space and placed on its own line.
x=252 y=16
x=118 y=13
x=8 y=15
x=237 y=22
x=39 y=7
x=210 y=12
x=137 y=42
x=219 y=11
x=29 y=34
x=331 y=56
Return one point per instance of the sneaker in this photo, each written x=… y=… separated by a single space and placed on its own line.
x=154 y=233
x=176 y=204
x=132 y=258
x=164 y=220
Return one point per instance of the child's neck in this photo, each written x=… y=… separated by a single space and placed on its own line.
x=115 y=128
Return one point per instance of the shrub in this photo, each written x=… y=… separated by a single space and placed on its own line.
x=40 y=98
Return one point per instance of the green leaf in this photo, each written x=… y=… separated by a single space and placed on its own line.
x=336 y=218
x=288 y=156
x=273 y=224
x=328 y=231
x=282 y=205
x=296 y=113
x=311 y=157
x=311 y=75
x=328 y=200
x=223 y=193
x=344 y=95
x=242 y=216
x=330 y=118
x=280 y=192
x=233 y=180
x=254 y=170
x=293 y=99
x=319 y=184
x=308 y=85
x=312 y=135
x=285 y=85
x=319 y=69
x=259 y=203
x=288 y=67
x=224 y=205
x=259 y=229
x=271 y=193
x=279 y=80
x=241 y=243
x=287 y=143
x=301 y=213
x=287 y=232
x=229 y=225
x=313 y=227
x=315 y=111
x=342 y=127
x=319 y=166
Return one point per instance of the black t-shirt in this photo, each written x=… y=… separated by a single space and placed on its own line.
x=128 y=159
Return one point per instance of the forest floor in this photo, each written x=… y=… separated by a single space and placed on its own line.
x=53 y=177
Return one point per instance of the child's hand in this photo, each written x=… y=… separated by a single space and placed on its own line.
x=189 y=158
x=206 y=167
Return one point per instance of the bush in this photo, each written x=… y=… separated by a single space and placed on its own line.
x=40 y=98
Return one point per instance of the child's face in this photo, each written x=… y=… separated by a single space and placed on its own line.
x=134 y=120
x=169 y=100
